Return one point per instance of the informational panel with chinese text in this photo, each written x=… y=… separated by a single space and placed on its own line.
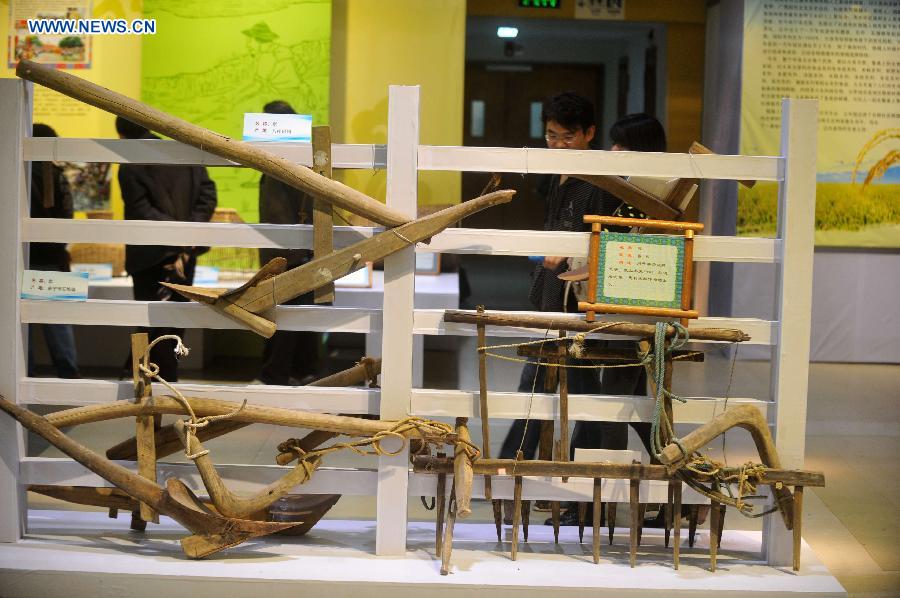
x=846 y=55
x=642 y=270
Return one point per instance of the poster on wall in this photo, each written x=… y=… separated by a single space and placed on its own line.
x=846 y=55
x=62 y=50
x=234 y=58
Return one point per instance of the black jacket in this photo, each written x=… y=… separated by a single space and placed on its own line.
x=49 y=255
x=153 y=192
x=279 y=203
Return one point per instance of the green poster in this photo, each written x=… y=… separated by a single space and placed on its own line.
x=210 y=62
x=845 y=54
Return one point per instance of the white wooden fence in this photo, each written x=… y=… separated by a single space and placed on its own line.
x=392 y=482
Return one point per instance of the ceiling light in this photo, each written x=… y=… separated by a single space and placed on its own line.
x=507 y=32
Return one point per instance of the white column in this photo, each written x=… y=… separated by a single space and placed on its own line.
x=793 y=302
x=397 y=337
x=15 y=174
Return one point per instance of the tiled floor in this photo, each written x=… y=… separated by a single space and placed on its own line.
x=853 y=429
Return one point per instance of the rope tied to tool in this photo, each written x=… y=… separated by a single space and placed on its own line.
x=371 y=445
x=151 y=370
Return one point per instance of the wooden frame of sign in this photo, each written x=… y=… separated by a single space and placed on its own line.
x=672 y=269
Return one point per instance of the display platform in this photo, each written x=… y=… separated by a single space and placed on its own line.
x=79 y=554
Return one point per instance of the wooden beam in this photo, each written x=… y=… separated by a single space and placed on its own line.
x=323 y=212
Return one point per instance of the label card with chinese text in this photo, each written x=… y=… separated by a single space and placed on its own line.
x=259 y=126
x=95 y=271
x=642 y=270
x=55 y=286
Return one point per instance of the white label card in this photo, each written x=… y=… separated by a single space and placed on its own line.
x=259 y=126
x=55 y=286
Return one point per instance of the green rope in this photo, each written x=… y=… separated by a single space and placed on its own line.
x=660 y=350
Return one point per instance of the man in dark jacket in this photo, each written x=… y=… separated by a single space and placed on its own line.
x=168 y=193
x=51 y=197
x=279 y=203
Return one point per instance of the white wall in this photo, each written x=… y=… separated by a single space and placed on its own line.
x=856 y=305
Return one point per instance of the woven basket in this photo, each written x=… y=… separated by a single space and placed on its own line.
x=99 y=253
x=233 y=262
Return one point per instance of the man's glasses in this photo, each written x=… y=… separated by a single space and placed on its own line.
x=567 y=139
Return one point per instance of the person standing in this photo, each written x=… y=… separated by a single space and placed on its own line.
x=51 y=197
x=279 y=203
x=568 y=120
x=162 y=193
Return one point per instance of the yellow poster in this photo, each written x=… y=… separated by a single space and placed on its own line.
x=846 y=55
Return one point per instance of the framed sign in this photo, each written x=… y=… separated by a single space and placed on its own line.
x=637 y=273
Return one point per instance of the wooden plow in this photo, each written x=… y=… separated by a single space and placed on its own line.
x=224 y=519
x=679 y=462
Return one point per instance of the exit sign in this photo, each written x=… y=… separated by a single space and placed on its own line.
x=539 y=3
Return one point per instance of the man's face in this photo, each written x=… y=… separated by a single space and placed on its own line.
x=559 y=137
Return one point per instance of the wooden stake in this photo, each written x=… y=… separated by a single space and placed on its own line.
x=483 y=402
x=441 y=498
x=462 y=470
x=714 y=515
x=563 y=453
x=722 y=511
x=145 y=430
x=676 y=547
x=611 y=520
x=798 y=522
x=448 y=533
x=634 y=508
x=596 y=507
x=323 y=212
x=517 y=515
x=667 y=523
x=554 y=506
x=692 y=524
x=497 y=506
x=582 y=515
x=526 y=518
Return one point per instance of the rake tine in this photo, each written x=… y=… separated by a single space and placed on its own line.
x=798 y=520
x=634 y=508
x=582 y=515
x=714 y=515
x=692 y=524
x=611 y=520
x=676 y=499
x=597 y=504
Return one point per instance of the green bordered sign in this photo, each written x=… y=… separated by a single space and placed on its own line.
x=636 y=273
x=640 y=270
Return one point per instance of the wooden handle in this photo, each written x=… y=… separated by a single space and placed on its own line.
x=288 y=172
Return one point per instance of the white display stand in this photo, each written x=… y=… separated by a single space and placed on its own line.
x=392 y=483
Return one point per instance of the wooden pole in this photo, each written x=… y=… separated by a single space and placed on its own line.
x=634 y=509
x=483 y=403
x=441 y=498
x=145 y=432
x=517 y=512
x=462 y=470
x=323 y=212
x=563 y=403
x=582 y=469
x=284 y=170
x=544 y=323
